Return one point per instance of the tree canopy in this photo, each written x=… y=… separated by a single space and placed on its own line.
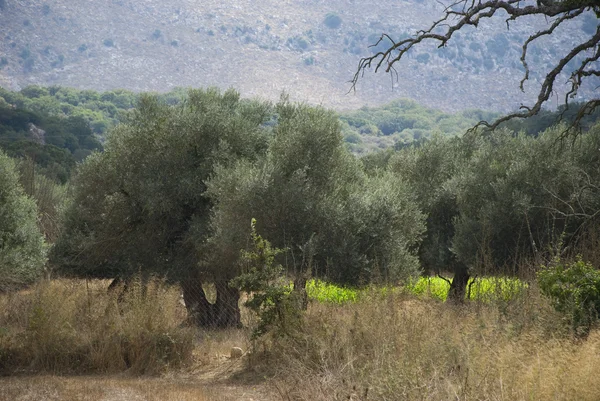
x=22 y=248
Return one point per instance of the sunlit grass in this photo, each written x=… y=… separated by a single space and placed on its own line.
x=484 y=289
x=330 y=293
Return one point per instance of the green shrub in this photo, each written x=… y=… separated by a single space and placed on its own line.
x=333 y=21
x=271 y=297
x=574 y=290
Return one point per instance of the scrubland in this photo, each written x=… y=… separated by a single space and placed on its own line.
x=74 y=340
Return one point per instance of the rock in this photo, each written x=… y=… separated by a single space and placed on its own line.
x=236 y=352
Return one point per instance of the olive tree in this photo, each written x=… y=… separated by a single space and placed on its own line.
x=310 y=197
x=141 y=205
x=496 y=201
x=524 y=198
x=430 y=169
x=22 y=247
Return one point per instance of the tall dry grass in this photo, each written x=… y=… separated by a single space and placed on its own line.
x=68 y=326
x=401 y=348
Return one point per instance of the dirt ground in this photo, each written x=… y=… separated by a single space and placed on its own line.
x=223 y=380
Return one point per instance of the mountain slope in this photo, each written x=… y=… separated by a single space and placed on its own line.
x=265 y=47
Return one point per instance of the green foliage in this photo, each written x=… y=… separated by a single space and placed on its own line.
x=55 y=143
x=22 y=248
x=100 y=110
x=299 y=43
x=429 y=169
x=144 y=197
x=262 y=278
x=324 y=292
x=433 y=287
x=494 y=201
x=485 y=289
x=310 y=197
x=516 y=195
x=575 y=290
x=545 y=119
x=403 y=122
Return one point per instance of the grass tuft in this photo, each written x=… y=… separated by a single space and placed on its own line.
x=66 y=326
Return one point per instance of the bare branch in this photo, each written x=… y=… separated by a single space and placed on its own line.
x=537 y=35
x=472 y=13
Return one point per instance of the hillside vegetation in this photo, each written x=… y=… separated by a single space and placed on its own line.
x=308 y=48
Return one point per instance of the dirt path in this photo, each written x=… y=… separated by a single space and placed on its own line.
x=224 y=380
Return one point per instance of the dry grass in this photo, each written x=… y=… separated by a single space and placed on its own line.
x=383 y=347
x=399 y=348
x=67 y=326
x=50 y=388
x=53 y=336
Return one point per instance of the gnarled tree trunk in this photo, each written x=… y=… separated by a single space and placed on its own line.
x=224 y=312
x=227 y=309
x=458 y=288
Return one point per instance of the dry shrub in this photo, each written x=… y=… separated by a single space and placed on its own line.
x=77 y=326
x=401 y=348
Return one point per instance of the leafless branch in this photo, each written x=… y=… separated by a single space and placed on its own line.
x=471 y=13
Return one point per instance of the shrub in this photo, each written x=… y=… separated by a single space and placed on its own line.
x=574 y=290
x=108 y=42
x=333 y=21
x=423 y=58
x=271 y=296
x=25 y=53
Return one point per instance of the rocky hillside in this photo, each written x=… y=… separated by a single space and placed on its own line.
x=308 y=48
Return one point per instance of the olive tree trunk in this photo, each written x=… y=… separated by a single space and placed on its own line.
x=224 y=312
x=458 y=287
